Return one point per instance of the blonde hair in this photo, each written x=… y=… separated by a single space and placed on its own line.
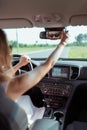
x=5 y=56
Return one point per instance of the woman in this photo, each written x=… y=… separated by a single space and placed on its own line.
x=16 y=86
x=24 y=101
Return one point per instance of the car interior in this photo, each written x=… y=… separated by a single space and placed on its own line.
x=63 y=90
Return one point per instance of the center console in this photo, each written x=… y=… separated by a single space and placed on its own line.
x=55 y=94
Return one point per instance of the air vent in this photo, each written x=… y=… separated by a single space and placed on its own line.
x=74 y=72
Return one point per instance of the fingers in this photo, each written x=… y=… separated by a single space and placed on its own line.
x=64 y=36
x=65 y=33
x=24 y=57
x=24 y=60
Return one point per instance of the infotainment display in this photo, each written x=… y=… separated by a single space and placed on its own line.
x=60 y=72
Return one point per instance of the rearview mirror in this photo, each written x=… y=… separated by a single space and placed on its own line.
x=52 y=34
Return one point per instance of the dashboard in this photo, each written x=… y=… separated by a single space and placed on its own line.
x=55 y=93
x=54 y=87
x=60 y=72
x=58 y=85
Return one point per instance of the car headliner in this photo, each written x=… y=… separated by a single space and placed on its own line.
x=46 y=13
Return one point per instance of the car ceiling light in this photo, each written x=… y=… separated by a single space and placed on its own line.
x=37 y=18
x=57 y=17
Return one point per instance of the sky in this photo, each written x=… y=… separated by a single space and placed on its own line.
x=31 y=35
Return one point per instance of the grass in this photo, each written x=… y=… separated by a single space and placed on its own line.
x=78 y=52
x=75 y=51
x=30 y=49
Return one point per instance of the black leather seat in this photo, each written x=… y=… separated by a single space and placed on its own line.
x=76 y=115
x=12 y=117
x=77 y=125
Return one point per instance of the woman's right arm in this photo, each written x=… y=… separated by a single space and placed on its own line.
x=19 y=85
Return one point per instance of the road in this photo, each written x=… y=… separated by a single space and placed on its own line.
x=46 y=53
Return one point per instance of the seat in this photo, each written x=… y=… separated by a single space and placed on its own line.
x=76 y=114
x=12 y=117
x=77 y=125
x=45 y=124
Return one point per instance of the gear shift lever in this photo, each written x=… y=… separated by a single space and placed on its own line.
x=47 y=102
x=49 y=111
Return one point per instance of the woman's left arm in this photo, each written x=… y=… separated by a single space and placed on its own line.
x=24 y=60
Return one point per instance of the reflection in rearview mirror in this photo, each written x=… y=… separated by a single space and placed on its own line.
x=52 y=35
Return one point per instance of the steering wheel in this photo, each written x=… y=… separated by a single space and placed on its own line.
x=23 y=69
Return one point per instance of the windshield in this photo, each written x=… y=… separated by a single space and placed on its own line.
x=27 y=41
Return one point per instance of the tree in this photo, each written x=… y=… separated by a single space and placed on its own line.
x=79 y=39
x=85 y=38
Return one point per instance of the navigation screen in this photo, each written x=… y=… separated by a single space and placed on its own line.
x=62 y=72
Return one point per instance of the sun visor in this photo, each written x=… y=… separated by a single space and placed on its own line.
x=15 y=23
x=78 y=20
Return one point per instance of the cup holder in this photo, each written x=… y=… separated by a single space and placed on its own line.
x=58 y=115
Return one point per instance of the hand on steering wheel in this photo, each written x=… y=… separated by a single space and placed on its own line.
x=23 y=62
